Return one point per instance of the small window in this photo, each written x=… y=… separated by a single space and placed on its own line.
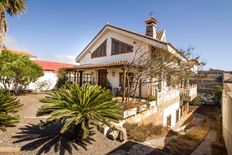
x=100 y=51
x=119 y=47
x=87 y=78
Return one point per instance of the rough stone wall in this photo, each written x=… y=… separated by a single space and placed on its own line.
x=227 y=116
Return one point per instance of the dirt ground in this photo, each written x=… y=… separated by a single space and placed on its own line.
x=27 y=139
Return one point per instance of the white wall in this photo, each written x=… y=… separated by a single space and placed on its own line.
x=112 y=58
x=49 y=77
x=226 y=116
x=171 y=110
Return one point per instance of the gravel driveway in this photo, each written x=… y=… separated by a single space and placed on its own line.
x=27 y=138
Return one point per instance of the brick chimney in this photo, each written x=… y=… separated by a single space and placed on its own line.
x=151 y=27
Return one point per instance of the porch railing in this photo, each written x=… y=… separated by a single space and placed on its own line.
x=168 y=95
x=189 y=91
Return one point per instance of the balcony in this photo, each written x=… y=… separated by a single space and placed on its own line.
x=188 y=94
x=167 y=95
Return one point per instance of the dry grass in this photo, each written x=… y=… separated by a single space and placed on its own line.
x=142 y=132
x=193 y=137
x=218 y=146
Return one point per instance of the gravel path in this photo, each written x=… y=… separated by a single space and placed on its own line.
x=27 y=139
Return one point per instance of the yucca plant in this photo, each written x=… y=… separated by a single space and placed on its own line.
x=78 y=106
x=8 y=108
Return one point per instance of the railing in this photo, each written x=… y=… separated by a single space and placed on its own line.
x=168 y=95
x=190 y=91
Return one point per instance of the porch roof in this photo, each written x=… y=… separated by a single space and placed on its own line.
x=91 y=66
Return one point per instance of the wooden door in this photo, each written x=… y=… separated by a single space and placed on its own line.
x=102 y=77
x=177 y=115
x=169 y=121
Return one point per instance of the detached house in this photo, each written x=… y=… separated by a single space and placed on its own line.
x=105 y=59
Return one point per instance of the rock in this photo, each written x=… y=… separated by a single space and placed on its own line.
x=122 y=135
x=113 y=134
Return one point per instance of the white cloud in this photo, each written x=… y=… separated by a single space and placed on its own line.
x=12 y=43
x=60 y=58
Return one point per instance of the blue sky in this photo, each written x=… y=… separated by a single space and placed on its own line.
x=59 y=30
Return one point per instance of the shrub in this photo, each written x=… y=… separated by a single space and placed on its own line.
x=43 y=85
x=198 y=100
x=78 y=106
x=8 y=108
x=62 y=78
x=152 y=98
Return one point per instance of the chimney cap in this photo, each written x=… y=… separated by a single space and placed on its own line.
x=150 y=20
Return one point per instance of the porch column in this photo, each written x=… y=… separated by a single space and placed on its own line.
x=69 y=76
x=123 y=84
x=75 y=76
x=80 y=72
x=140 y=88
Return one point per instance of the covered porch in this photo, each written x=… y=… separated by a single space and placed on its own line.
x=113 y=76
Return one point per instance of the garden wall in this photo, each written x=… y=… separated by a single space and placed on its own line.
x=227 y=116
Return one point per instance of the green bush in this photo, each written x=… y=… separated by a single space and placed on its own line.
x=197 y=101
x=152 y=98
x=78 y=106
x=8 y=108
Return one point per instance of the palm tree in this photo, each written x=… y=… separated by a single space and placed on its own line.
x=78 y=106
x=8 y=108
x=13 y=8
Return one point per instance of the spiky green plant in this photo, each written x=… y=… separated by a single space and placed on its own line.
x=78 y=106
x=8 y=108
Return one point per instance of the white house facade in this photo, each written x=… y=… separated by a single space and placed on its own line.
x=104 y=59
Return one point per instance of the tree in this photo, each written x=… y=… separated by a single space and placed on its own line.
x=17 y=71
x=8 y=108
x=78 y=106
x=62 y=78
x=154 y=66
x=12 y=8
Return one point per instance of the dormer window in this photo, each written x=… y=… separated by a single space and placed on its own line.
x=119 y=47
x=100 y=51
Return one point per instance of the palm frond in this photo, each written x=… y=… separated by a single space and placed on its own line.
x=77 y=105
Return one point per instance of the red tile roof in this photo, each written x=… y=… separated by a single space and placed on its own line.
x=52 y=66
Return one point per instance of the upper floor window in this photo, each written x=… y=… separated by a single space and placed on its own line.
x=119 y=47
x=100 y=51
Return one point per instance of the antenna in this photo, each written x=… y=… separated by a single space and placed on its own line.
x=151 y=13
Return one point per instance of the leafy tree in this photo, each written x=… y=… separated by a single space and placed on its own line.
x=17 y=71
x=62 y=78
x=78 y=106
x=8 y=108
x=12 y=8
